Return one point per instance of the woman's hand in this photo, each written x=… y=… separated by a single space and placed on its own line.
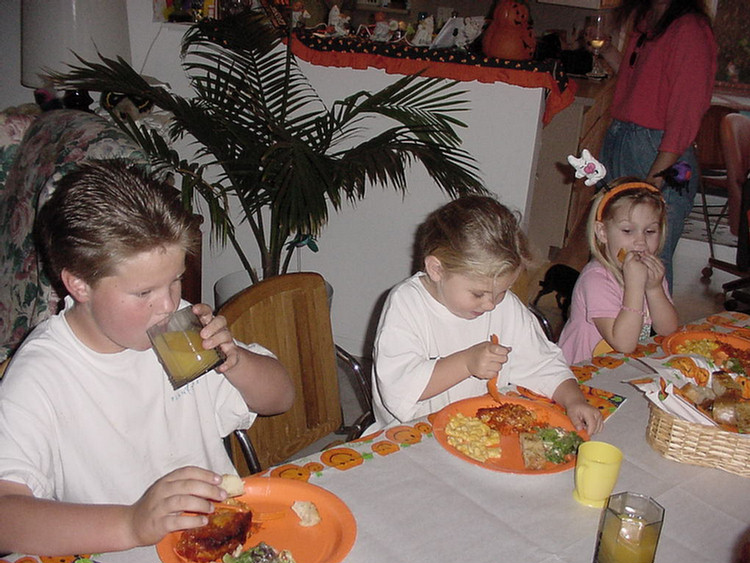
x=178 y=501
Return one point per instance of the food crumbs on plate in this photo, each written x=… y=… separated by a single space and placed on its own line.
x=307 y=512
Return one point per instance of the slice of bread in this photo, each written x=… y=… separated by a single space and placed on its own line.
x=307 y=512
x=532 y=449
x=233 y=485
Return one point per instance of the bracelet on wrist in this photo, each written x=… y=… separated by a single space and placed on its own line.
x=632 y=310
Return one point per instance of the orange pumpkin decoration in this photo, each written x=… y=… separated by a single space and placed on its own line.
x=720 y=320
x=584 y=373
x=607 y=362
x=690 y=369
x=291 y=471
x=404 y=435
x=341 y=458
x=423 y=427
x=314 y=467
x=509 y=34
x=384 y=447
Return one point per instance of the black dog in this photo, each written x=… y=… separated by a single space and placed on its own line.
x=561 y=279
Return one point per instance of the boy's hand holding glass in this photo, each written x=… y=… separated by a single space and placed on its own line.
x=179 y=346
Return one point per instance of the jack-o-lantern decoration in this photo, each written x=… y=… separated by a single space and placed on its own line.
x=510 y=34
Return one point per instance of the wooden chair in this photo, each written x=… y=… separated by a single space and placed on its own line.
x=290 y=316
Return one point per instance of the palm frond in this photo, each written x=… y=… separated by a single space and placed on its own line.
x=273 y=146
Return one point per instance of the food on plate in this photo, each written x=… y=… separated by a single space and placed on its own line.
x=233 y=485
x=510 y=418
x=261 y=553
x=560 y=445
x=472 y=437
x=307 y=512
x=227 y=530
x=727 y=357
x=702 y=347
x=553 y=444
x=532 y=449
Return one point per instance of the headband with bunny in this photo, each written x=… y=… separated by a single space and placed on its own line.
x=594 y=171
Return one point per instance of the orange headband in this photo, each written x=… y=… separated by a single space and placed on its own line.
x=627 y=186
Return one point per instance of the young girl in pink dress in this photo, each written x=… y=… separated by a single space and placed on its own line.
x=621 y=293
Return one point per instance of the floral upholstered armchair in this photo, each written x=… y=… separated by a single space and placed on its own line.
x=36 y=150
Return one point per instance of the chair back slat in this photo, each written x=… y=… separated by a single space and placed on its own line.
x=289 y=315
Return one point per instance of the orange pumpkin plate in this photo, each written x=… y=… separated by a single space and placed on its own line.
x=511 y=459
x=671 y=342
x=270 y=499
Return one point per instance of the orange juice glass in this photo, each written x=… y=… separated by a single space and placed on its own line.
x=179 y=347
x=629 y=529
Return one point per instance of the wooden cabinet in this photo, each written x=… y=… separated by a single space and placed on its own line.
x=559 y=202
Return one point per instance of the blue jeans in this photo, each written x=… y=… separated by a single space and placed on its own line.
x=630 y=150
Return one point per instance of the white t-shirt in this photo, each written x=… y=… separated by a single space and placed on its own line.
x=80 y=426
x=415 y=331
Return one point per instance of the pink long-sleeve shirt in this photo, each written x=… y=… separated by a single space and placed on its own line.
x=669 y=85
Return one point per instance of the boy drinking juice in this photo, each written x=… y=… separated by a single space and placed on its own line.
x=99 y=452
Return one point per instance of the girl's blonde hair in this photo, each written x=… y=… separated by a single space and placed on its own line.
x=624 y=192
x=475 y=236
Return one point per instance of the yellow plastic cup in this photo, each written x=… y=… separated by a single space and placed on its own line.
x=597 y=468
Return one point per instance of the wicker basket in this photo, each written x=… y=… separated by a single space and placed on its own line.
x=687 y=442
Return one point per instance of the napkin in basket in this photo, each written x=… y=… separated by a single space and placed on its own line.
x=671 y=374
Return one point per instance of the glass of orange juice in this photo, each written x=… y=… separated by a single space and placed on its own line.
x=179 y=347
x=629 y=529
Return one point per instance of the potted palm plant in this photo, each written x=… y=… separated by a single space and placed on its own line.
x=284 y=158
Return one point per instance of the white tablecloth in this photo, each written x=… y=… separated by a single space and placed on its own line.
x=420 y=503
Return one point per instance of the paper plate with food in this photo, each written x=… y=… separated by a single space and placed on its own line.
x=269 y=520
x=511 y=434
x=726 y=351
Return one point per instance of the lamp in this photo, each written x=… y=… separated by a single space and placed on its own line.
x=52 y=30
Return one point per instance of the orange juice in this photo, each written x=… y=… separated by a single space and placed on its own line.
x=183 y=355
x=625 y=539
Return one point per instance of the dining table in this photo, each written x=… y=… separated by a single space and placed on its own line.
x=413 y=500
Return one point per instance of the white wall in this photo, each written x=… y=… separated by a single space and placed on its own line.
x=367 y=249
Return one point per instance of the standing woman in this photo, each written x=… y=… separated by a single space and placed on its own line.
x=665 y=78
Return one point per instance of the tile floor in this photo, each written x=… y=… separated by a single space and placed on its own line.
x=693 y=297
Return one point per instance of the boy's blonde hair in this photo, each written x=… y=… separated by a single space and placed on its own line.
x=105 y=212
x=624 y=192
x=475 y=236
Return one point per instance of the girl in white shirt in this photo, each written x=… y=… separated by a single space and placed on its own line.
x=434 y=341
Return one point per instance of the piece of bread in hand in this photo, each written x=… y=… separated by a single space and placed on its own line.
x=233 y=485
x=621 y=254
x=307 y=512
